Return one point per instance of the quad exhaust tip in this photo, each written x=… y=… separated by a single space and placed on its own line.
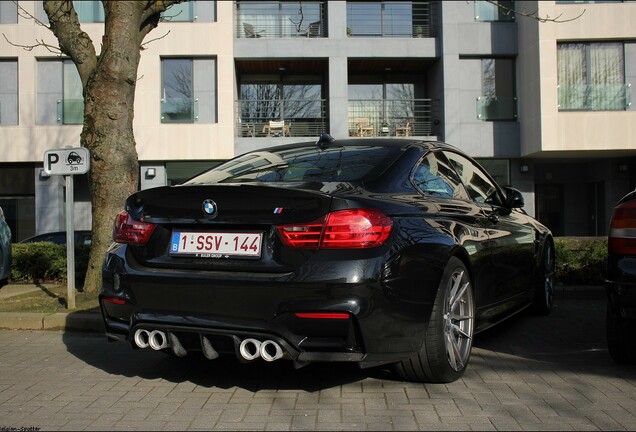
x=155 y=339
x=269 y=350
x=249 y=349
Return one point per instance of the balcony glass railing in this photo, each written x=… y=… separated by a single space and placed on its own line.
x=501 y=11
x=273 y=117
x=407 y=19
x=70 y=111
x=179 y=110
x=497 y=108
x=404 y=117
x=609 y=97
x=267 y=19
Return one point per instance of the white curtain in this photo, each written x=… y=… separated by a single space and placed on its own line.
x=607 y=76
x=571 y=76
x=591 y=76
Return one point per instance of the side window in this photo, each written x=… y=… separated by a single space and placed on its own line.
x=479 y=187
x=434 y=176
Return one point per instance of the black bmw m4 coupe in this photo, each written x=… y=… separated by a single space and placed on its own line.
x=374 y=251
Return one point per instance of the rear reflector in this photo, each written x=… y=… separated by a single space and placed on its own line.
x=344 y=229
x=114 y=300
x=622 y=235
x=322 y=315
x=129 y=231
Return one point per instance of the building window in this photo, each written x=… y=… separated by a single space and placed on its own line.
x=591 y=77
x=59 y=93
x=498 y=100
x=489 y=11
x=267 y=19
x=191 y=11
x=8 y=12
x=188 y=90
x=389 y=19
x=88 y=11
x=8 y=92
x=296 y=101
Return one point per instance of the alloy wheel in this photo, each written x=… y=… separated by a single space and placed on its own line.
x=459 y=320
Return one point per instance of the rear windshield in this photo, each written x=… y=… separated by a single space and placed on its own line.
x=304 y=164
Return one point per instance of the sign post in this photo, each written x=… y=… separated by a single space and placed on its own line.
x=68 y=162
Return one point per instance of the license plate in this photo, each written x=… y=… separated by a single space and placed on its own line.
x=216 y=244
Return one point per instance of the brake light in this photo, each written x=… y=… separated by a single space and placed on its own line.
x=622 y=236
x=344 y=229
x=129 y=231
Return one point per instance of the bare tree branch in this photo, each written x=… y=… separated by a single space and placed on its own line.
x=534 y=15
x=152 y=14
x=142 y=46
x=74 y=42
x=302 y=17
x=40 y=43
x=25 y=14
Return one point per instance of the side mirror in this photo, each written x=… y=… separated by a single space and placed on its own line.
x=514 y=199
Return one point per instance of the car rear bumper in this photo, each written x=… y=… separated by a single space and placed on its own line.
x=622 y=299
x=621 y=286
x=360 y=317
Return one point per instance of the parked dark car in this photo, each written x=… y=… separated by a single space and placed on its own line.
x=59 y=237
x=5 y=250
x=370 y=251
x=621 y=281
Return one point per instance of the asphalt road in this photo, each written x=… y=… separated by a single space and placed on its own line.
x=531 y=373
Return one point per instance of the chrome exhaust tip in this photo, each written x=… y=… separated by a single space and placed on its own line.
x=158 y=340
x=271 y=351
x=250 y=349
x=142 y=338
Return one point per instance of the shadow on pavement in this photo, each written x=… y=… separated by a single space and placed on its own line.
x=572 y=338
x=569 y=340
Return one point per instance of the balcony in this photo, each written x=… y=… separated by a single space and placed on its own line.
x=403 y=117
x=608 y=97
x=496 y=108
x=262 y=118
x=266 y=19
x=403 y=19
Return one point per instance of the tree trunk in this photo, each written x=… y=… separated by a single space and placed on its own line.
x=109 y=96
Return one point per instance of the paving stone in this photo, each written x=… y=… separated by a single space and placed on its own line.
x=523 y=375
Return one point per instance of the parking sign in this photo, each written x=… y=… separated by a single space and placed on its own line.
x=68 y=161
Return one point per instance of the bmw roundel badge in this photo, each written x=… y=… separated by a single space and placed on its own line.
x=209 y=208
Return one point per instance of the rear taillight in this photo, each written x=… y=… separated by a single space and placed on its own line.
x=130 y=231
x=622 y=236
x=344 y=229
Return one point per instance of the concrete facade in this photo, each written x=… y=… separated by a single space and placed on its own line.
x=570 y=165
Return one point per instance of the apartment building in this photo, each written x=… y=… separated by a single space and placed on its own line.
x=546 y=107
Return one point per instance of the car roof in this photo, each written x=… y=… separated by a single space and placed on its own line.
x=379 y=142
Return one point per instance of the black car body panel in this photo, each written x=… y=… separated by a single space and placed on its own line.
x=621 y=275
x=385 y=293
x=621 y=282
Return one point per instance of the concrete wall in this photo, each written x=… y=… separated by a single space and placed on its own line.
x=465 y=42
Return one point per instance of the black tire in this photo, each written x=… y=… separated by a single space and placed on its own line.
x=620 y=338
x=449 y=337
x=544 y=282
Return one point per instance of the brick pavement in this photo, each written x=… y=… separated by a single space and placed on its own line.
x=530 y=373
